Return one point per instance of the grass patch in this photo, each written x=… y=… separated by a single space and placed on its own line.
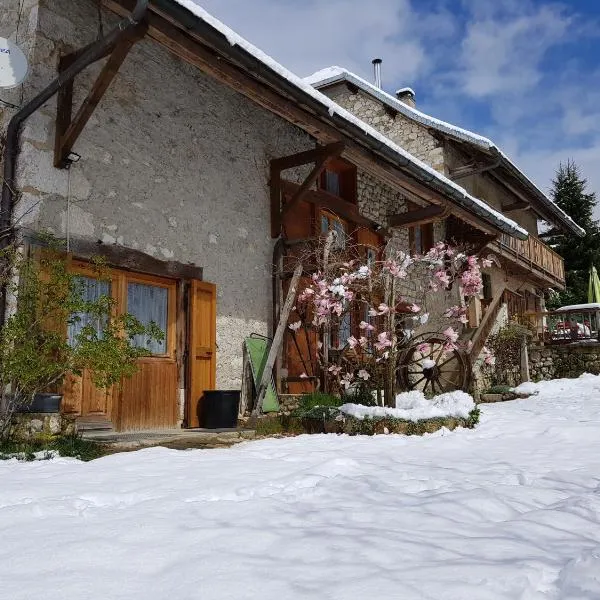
x=45 y=448
x=498 y=389
x=317 y=405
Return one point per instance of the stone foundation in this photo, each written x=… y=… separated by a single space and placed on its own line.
x=572 y=360
x=27 y=426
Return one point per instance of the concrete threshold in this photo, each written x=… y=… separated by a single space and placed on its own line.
x=170 y=438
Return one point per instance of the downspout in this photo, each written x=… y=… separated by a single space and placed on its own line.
x=87 y=56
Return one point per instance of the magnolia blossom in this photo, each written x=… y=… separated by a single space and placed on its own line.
x=363 y=374
x=457 y=312
x=383 y=309
x=335 y=370
x=365 y=325
x=443 y=277
x=424 y=318
x=346 y=380
x=363 y=272
x=295 y=326
x=424 y=348
x=303 y=376
x=488 y=357
x=383 y=341
x=450 y=334
x=486 y=262
x=363 y=341
x=414 y=308
x=352 y=342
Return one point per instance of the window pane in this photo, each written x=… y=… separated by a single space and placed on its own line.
x=332 y=182
x=324 y=224
x=340 y=241
x=345 y=329
x=91 y=290
x=149 y=303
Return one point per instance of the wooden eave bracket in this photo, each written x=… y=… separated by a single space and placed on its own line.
x=69 y=128
x=319 y=156
x=420 y=216
x=519 y=205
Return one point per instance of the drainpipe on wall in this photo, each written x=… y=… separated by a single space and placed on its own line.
x=87 y=56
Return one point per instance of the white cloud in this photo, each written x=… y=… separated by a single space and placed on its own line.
x=502 y=54
x=307 y=36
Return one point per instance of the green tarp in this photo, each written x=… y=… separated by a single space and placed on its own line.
x=257 y=349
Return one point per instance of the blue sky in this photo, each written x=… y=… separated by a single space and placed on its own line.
x=525 y=73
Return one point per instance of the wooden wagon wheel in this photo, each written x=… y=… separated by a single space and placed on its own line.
x=433 y=369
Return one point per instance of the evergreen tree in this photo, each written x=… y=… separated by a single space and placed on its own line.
x=569 y=192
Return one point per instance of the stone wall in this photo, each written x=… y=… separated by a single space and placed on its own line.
x=173 y=164
x=26 y=426
x=408 y=134
x=571 y=360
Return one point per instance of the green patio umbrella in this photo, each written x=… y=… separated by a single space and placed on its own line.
x=594 y=286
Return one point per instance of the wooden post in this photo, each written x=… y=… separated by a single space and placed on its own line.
x=277 y=340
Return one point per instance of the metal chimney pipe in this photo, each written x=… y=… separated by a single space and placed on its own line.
x=377 y=69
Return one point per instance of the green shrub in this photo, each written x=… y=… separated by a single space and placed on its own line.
x=498 y=389
x=65 y=445
x=317 y=405
x=361 y=394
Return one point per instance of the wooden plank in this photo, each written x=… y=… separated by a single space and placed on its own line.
x=277 y=340
x=419 y=216
x=519 y=205
x=331 y=202
x=103 y=81
x=64 y=107
x=308 y=156
x=134 y=260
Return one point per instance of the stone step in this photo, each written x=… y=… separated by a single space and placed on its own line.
x=91 y=424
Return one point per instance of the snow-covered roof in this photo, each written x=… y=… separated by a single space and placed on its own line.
x=452 y=189
x=331 y=75
x=591 y=305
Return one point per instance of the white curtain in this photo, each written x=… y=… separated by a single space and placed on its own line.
x=91 y=290
x=149 y=303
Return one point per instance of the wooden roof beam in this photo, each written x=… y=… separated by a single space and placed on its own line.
x=420 y=216
x=67 y=129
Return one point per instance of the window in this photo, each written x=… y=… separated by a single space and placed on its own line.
x=339 y=179
x=421 y=238
x=486 y=279
x=91 y=290
x=330 y=222
x=149 y=303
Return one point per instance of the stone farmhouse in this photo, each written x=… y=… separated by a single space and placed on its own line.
x=150 y=133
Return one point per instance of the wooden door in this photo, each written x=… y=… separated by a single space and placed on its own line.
x=80 y=395
x=202 y=346
x=149 y=399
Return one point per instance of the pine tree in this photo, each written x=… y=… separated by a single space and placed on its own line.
x=569 y=192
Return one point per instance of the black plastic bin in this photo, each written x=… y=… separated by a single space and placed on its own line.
x=44 y=403
x=219 y=409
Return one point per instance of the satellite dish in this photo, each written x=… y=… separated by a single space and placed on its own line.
x=13 y=64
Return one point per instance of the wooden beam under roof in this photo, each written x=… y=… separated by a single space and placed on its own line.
x=420 y=216
x=194 y=50
x=69 y=129
x=519 y=205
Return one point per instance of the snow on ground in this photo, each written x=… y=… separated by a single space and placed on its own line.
x=413 y=406
x=510 y=510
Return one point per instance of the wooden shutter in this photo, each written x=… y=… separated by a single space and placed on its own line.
x=202 y=345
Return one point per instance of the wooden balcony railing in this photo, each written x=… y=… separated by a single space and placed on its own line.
x=535 y=254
